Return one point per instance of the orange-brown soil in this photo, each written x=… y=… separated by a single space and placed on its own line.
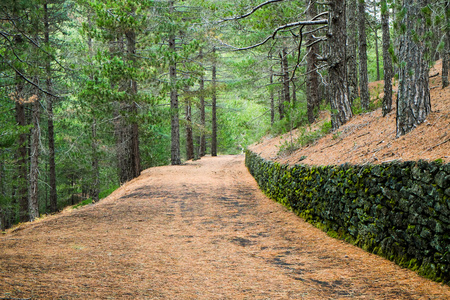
x=370 y=137
x=198 y=231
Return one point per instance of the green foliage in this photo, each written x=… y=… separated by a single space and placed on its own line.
x=107 y=192
x=82 y=203
x=305 y=136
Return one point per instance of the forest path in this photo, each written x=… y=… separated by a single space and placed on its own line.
x=198 y=231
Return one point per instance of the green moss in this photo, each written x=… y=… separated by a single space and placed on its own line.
x=348 y=203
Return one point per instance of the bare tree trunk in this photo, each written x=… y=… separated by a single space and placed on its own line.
x=189 y=135
x=272 y=96
x=413 y=101
x=95 y=191
x=387 y=59
x=376 y=39
x=280 y=105
x=338 y=90
x=175 y=122
x=33 y=204
x=214 y=107
x=135 y=166
x=119 y=128
x=294 y=94
x=50 y=126
x=21 y=194
x=312 y=77
x=2 y=192
x=352 y=63
x=285 y=72
x=202 y=113
x=446 y=52
x=363 y=76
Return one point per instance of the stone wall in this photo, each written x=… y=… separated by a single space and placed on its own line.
x=399 y=210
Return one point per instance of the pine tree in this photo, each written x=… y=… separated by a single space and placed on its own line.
x=413 y=101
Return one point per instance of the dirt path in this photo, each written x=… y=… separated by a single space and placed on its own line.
x=198 y=231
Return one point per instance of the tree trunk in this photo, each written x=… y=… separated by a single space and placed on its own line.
x=285 y=72
x=189 y=135
x=214 y=107
x=33 y=204
x=446 y=51
x=50 y=126
x=294 y=94
x=119 y=128
x=202 y=112
x=22 y=191
x=413 y=101
x=135 y=164
x=387 y=59
x=363 y=74
x=352 y=64
x=280 y=105
x=312 y=77
x=272 y=96
x=376 y=39
x=338 y=91
x=175 y=122
x=2 y=192
x=95 y=191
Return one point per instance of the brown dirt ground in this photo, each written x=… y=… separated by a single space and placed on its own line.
x=371 y=138
x=198 y=231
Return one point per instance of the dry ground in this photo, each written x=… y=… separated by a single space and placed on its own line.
x=371 y=138
x=198 y=231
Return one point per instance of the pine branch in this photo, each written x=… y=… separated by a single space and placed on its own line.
x=254 y=9
x=272 y=36
x=26 y=79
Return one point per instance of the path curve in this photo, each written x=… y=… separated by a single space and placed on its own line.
x=198 y=231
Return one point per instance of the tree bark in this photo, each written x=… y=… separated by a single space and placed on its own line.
x=202 y=112
x=338 y=90
x=189 y=135
x=33 y=204
x=352 y=63
x=272 y=96
x=376 y=39
x=22 y=191
x=50 y=125
x=135 y=164
x=175 y=122
x=387 y=59
x=214 y=106
x=363 y=74
x=312 y=77
x=95 y=191
x=285 y=72
x=413 y=101
x=446 y=51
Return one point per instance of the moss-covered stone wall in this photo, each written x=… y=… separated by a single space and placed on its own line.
x=399 y=210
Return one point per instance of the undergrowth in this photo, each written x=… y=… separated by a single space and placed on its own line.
x=305 y=138
x=102 y=194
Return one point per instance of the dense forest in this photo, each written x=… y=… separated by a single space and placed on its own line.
x=95 y=91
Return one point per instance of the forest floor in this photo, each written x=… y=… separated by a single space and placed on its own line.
x=202 y=230
x=370 y=137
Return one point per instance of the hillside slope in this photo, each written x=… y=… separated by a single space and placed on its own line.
x=371 y=138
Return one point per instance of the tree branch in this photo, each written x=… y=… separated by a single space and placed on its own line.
x=251 y=12
x=299 y=52
x=300 y=23
x=26 y=79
